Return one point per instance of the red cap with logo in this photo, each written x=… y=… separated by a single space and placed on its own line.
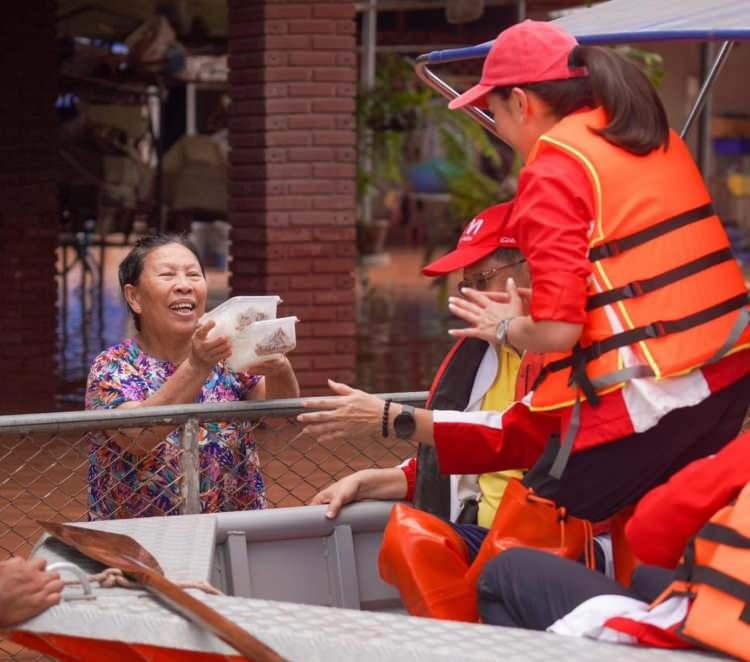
x=483 y=236
x=528 y=52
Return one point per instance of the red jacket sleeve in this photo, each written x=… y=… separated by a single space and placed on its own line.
x=552 y=215
x=668 y=516
x=409 y=467
x=477 y=442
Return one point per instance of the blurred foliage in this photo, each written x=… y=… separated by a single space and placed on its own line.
x=390 y=117
x=473 y=165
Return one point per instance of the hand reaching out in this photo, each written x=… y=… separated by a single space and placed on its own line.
x=355 y=413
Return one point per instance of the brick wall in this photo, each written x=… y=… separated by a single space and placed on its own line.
x=292 y=174
x=28 y=206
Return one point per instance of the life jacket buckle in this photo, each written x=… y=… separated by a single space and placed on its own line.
x=656 y=330
x=610 y=249
x=632 y=290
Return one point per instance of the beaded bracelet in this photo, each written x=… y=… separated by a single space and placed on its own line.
x=386 y=407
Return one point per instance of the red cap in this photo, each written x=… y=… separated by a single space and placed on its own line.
x=528 y=52
x=483 y=236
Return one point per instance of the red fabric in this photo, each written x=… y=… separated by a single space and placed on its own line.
x=668 y=516
x=528 y=52
x=466 y=447
x=409 y=467
x=610 y=420
x=552 y=213
x=647 y=634
x=481 y=237
x=516 y=438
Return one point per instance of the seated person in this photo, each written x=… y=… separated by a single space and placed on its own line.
x=170 y=361
x=489 y=259
x=530 y=589
x=26 y=590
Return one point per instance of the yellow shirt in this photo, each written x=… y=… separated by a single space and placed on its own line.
x=498 y=397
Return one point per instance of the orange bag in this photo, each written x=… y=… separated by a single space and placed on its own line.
x=426 y=560
x=625 y=560
x=526 y=520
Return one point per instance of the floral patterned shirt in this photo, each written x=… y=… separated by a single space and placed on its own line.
x=123 y=485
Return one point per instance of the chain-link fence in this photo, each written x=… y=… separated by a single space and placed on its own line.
x=64 y=466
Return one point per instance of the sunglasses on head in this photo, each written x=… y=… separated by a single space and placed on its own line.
x=480 y=281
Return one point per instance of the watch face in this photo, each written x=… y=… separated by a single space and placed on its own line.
x=404 y=424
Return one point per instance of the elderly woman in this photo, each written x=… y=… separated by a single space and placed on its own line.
x=172 y=360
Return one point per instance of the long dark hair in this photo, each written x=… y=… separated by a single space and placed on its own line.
x=131 y=267
x=637 y=119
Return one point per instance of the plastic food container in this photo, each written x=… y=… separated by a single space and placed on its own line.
x=235 y=315
x=261 y=340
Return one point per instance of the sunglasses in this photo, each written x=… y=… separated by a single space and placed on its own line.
x=480 y=281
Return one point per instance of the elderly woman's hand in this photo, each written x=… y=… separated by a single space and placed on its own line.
x=354 y=414
x=273 y=364
x=205 y=353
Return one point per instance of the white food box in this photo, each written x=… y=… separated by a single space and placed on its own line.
x=262 y=340
x=235 y=315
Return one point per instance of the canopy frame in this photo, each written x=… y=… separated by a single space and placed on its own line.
x=728 y=37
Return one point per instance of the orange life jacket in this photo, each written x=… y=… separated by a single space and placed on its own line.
x=664 y=282
x=715 y=574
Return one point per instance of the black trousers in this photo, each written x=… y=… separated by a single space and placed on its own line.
x=528 y=588
x=599 y=482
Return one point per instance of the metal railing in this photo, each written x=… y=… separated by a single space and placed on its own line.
x=49 y=462
x=52 y=467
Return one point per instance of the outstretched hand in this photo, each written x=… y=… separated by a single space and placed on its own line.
x=355 y=413
x=483 y=311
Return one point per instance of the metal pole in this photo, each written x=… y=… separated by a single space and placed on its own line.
x=367 y=80
x=708 y=53
x=190 y=461
x=430 y=78
x=521 y=10
x=719 y=62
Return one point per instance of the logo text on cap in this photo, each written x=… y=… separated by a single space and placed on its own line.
x=472 y=229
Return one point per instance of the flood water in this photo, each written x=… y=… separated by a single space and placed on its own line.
x=401 y=323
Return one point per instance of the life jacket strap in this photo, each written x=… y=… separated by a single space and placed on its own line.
x=653 y=330
x=638 y=288
x=619 y=246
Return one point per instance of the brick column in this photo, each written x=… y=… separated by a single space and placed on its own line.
x=28 y=206
x=292 y=173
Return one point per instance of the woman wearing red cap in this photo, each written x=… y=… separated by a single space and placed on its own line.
x=637 y=302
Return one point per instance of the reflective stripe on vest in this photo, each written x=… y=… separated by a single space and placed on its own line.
x=653 y=246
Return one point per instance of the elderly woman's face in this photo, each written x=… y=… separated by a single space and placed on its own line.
x=171 y=293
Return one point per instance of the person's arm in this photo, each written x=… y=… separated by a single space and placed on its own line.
x=485 y=311
x=552 y=216
x=364 y=484
x=668 y=516
x=466 y=442
x=26 y=589
x=122 y=387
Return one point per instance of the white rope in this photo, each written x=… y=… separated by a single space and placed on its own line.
x=112 y=577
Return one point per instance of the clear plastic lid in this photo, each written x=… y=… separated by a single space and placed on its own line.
x=235 y=315
x=261 y=340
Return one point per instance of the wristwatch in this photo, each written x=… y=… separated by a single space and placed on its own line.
x=404 y=424
x=501 y=335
